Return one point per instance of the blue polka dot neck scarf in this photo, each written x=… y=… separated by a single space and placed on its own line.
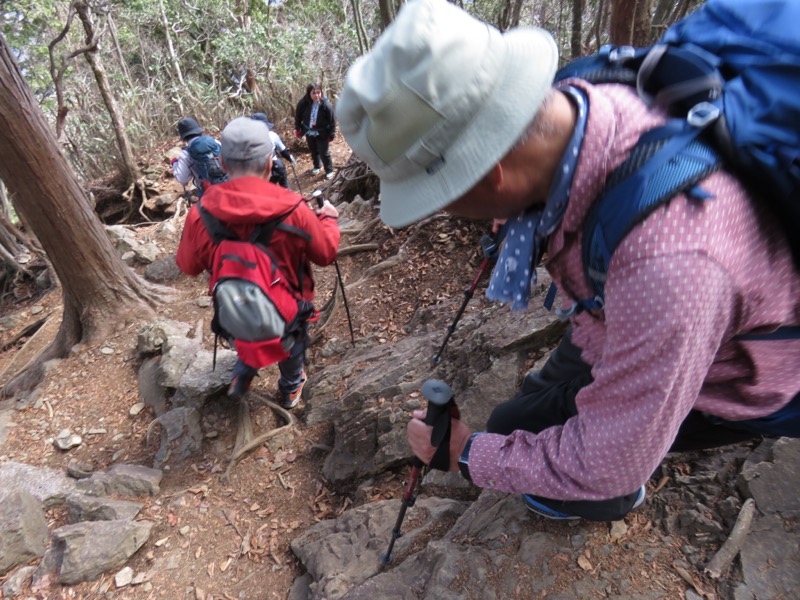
x=514 y=275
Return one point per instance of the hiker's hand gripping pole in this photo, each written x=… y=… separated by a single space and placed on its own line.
x=320 y=202
x=441 y=407
x=490 y=245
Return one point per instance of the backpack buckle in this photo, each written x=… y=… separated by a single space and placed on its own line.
x=702 y=114
x=621 y=54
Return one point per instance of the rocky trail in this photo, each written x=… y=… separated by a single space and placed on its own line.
x=117 y=478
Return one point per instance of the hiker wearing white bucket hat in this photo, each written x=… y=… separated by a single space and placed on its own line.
x=453 y=115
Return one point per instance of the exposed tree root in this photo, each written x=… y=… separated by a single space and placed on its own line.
x=326 y=314
x=245 y=442
x=356 y=249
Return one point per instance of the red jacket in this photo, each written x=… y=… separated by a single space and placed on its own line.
x=242 y=203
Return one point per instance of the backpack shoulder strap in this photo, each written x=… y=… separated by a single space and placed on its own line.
x=666 y=161
x=262 y=234
x=214 y=226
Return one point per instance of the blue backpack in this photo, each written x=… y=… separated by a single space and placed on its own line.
x=204 y=151
x=729 y=74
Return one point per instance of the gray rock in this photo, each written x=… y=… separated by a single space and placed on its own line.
x=355 y=541
x=48 y=486
x=66 y=440
x=93 y=508
x=162 y=270
x=17 y=581
x=6 y=424
x=87 y=550
x=481 y=363
x=200 y=380
x=23 y=530
x=152 y=336
x=151 y=392
x=177 y=354
x=770 y=559
x=124 y=577
x=765 y=480
x=122 y=480
x=181 y=435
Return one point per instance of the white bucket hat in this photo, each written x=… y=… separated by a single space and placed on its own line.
x=439 y=100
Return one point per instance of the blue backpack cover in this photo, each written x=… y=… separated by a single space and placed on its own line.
x=204 y=151
x=729 y=73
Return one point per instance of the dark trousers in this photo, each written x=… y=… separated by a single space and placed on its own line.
x=547 y=398
x=291 y=368
x=320 y=149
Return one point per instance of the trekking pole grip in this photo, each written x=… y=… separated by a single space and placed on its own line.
x=441 y=407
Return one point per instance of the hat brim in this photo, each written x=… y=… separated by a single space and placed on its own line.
x=530 y=66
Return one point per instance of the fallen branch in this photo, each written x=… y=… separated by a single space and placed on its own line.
x=725 y=555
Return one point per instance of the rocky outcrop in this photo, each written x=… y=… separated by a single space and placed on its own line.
x=102 y=533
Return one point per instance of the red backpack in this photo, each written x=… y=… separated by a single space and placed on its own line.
x=255 y=306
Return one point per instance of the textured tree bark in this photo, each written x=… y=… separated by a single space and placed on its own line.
x=100 y=292
x=631 y=22
x=576 y=36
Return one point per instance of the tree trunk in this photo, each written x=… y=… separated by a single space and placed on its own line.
x=630 y=22
x=363 y=41
x=127 y=161
x=172 y=55
x=100 y=292
x=112 y=28
x=576 y=37
x=387 y=13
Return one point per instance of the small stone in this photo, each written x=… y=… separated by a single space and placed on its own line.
x=106 y=350
x=203 y=301
x=66 y=440
x=124 y=577
x=147 y=587
x=36 y=310
x=618 y=530
x=184 y=531
x=136 y=409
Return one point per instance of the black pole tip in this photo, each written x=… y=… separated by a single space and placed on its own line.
x=385 y=559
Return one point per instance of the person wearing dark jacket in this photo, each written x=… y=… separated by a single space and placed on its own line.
x=315 y=119
x=241 y=203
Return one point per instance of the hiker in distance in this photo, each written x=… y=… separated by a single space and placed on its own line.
x=314 y=118
x=305 y=236
x=658 y=368
x=279 y=174
x=198 y=159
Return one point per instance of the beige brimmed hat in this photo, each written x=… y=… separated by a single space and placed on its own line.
x=440 y=99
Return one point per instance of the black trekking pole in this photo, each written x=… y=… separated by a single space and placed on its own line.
x=441 y=407
x=297 y=179
x=490 y=245
x=318 y=195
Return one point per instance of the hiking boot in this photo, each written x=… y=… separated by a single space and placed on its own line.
x=316 y=171
x=329 y=175
x=239 y=386
x=540 y=509
x=292 y=399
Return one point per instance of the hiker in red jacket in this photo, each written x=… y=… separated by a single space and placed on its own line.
x=241 y=203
